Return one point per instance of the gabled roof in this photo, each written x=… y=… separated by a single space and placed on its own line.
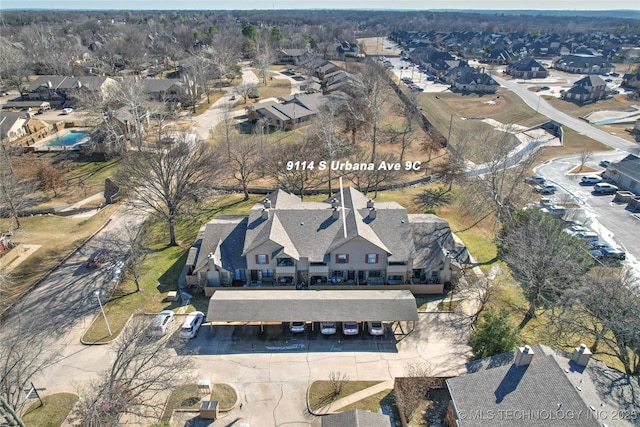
x=9 y=120
x=550 y=384
x=526 y=64
x=629 y=166
x=593 y=81
x=224 y=238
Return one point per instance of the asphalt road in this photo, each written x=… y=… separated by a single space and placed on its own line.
x=538 y=103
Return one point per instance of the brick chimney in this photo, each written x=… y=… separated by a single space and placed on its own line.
x=581 y=355
x=524 y=356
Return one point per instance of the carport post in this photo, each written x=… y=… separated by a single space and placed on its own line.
x=261 y=327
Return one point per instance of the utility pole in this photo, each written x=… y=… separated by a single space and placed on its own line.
x=450 y=125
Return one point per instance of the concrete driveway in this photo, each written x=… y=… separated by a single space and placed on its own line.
x=272 y=375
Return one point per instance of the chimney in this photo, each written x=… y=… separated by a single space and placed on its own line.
x=369 y=203
x=524 y=355
x=372 y=213
x=267 y=203
x=265 y=214
x=336 y=213
x=334 y=203
x=581 y=355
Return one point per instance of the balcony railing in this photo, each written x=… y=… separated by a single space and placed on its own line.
x=319 y=270
x=392 y=269
x=290 y=270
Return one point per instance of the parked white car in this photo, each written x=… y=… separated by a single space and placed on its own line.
x=297 y=327
x=590 y=180
x=375 y=328
x=328 y=328
x=66 y=111
x=191 y=325
x=160 y=325
x=350 y=328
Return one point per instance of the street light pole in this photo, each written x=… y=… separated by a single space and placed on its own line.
x=97 y=294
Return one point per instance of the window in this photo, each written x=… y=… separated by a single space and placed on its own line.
x=267 y=274
x=342 y=258
x=375 y=274
x=371 y=259
x=262 y=259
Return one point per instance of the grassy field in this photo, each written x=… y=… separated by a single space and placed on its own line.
x=56 y=408
x=162 y=267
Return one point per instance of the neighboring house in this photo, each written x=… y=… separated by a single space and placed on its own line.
x=632 y=80
x=13 y=125
x=588 y=89
x=60 y=88
x=542 y=387
x=625 y=173
x=166 y=90
x=527 y=68
x=583 y=64
x=356 y=418
x=294 y=56
x=470 y=79
x=290 y=113
x=286 y=242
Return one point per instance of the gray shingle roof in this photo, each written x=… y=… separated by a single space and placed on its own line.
x=551 y=391
x=356 y=418
x=230 y=231
x=593 y=81
x=629 y=166
x=311 y=305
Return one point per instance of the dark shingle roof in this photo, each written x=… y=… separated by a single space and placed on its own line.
x=629 y=166
x=549 y=387
x=224 y=238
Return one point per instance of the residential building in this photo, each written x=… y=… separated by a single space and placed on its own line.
x=583 y=64
x=540 y=386
x=288 y=113
x=625 y=173
x=13 y=125
x=527 y=68
x=356 y=418
x=632 y=80
x=61 y=88
x=294 y=56
x=325 y=245
x=588 y=89
x=470 y=79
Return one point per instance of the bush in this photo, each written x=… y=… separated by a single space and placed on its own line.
x=254 y=94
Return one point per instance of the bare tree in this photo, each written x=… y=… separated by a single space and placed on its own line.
x=14 y=64
x=338 y=380
x=24 y=352
x=143 y=368
x=412 y=389
x=544 y=259
x=290 y=177
x=369 y=93
x=366 y=180
x=585 y=156
x=244 y=162
x=245 y=89
x=452 y=168
x=264 y=56
x=499 y=173
x=325 y=131
x=16 y=192
x=606 y=307
x=165 y=179
x=131 y=96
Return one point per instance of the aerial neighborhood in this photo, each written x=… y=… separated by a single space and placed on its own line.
x=319 y=217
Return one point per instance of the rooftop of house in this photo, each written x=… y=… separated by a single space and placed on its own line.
x=629 y=166
x=551 y=390
x=315 y=229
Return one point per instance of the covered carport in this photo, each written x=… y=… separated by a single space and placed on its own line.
x=269 y=306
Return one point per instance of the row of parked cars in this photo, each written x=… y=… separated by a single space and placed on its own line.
x=348 y=328
x=188 y=330
x=601 y=251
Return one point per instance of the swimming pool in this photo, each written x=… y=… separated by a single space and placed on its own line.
x=68 y=139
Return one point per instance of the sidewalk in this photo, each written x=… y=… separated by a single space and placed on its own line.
x=355 y=397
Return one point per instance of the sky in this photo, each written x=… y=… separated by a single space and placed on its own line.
x=321 y=4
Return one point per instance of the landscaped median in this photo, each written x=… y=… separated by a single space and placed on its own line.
x=188 y=398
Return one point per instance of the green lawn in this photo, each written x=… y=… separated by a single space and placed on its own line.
x=374 y=403
x=55 y=410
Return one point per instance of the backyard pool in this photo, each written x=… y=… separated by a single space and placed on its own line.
x=68 y=139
